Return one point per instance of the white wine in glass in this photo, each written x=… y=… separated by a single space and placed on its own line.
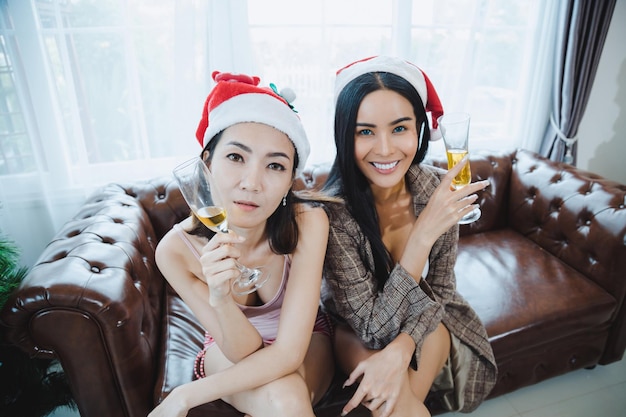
x=455 y=131
x=193 y=181
x=214 y=218
x=465 y=176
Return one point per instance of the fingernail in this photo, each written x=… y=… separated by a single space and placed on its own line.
x=343 y=414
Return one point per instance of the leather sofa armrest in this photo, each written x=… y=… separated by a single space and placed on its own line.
x=94 y=300
x=579 y=217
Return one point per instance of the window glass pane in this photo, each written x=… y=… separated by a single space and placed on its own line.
x=16 y=154
x=475 y=52
x=157 y=84
x=93 y=13
x=113 y=70
x=304 y=57
x=274 y=12
x=104 y=96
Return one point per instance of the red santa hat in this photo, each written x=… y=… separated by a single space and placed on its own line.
x=401 y=68
x=237 y=98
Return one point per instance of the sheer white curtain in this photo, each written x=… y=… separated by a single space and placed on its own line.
x=100 y=91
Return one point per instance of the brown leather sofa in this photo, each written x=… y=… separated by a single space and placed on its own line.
x=545 y=268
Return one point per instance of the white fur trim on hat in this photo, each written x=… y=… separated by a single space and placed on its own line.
x=237 y=98
x=260 y=108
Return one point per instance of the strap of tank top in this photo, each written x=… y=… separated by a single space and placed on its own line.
x=183 y=236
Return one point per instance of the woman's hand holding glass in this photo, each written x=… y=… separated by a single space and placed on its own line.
x=447 y=205
x=220 y=266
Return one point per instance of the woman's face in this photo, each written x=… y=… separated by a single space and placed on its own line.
x=386 y=138
x=251 y=170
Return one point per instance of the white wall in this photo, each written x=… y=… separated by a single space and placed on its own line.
x=602 y=132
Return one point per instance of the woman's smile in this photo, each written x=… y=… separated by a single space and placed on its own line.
x=384 y=168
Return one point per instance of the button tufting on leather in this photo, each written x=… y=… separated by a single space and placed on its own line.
x=59 y=255
x=95 y=269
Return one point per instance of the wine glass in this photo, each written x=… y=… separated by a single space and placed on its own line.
x=455 y=131
x=193 y=181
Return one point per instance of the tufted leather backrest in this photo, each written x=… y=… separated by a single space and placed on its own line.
x=577 y=216
x=162 y=201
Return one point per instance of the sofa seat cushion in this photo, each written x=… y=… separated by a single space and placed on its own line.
x=516 y=287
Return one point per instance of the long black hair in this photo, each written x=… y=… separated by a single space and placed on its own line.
x=346 y=180
x=281 y=228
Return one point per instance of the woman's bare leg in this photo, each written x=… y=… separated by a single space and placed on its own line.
x=349 y=351
x=318 y=367
x=435 y=352
x=291 y=395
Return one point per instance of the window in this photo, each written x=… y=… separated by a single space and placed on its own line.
x=476 y=52
x=127 y=78
x=100 y=91
x=16 y=154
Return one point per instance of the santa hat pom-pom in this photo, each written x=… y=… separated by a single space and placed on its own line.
x=288 y=94
x=435 y=134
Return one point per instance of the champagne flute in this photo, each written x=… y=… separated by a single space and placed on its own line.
x=193 y=181
x=455 y=131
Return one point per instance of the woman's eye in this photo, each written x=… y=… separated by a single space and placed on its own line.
x=399 y=129
x=364 y=132
x=276 y=166
x=234 y=157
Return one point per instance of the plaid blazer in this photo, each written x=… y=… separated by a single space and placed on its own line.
x=350 y=293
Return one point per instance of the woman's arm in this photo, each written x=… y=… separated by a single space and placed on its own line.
x=297 y=319
x=176 y=262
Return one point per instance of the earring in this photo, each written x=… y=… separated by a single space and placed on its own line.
x=285 y=200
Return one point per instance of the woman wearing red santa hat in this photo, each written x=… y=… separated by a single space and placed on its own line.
x=402 y=330
x=267 y=353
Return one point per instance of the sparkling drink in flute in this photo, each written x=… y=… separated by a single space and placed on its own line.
x=455 y=131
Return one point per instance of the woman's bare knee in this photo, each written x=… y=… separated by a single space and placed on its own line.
x=407 y=405
x=286 y=396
